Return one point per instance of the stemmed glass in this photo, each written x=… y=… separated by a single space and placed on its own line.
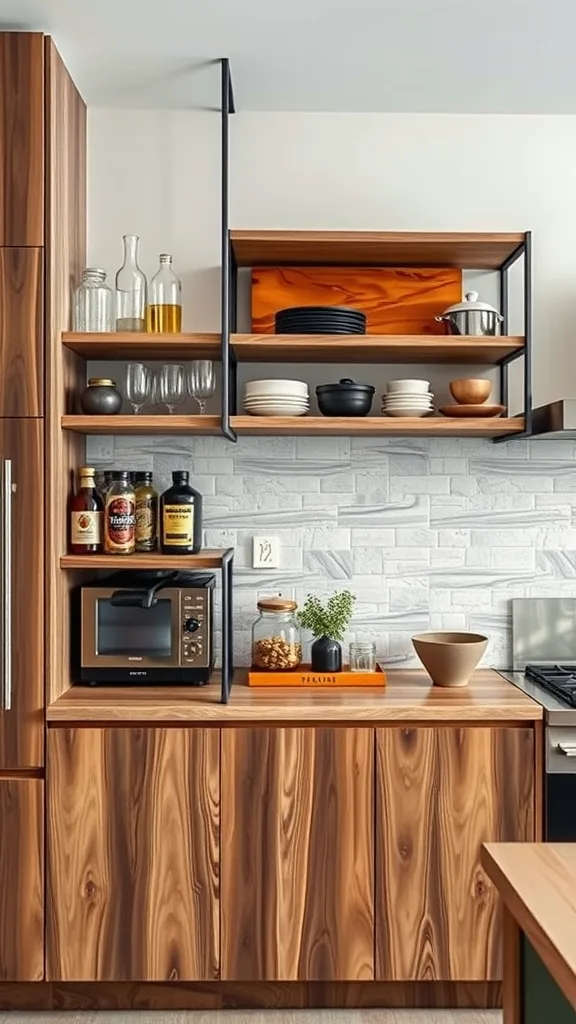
x=171 y=385
x=137 y=385
x=201 y=381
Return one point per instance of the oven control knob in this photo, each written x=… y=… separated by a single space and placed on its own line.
x=191 y=625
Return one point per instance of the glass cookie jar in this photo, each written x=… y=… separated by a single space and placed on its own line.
x=276 y=636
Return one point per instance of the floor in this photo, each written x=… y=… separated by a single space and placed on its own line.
x=262 y=1017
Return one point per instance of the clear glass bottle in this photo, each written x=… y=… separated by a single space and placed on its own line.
x=164 y=312
x=93 y=303
x=131 y=290
x=276 y=636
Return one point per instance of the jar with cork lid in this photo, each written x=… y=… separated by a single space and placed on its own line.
x=276 y=636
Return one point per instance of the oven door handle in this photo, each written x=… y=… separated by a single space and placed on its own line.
x=569 y=749
x=6 y=583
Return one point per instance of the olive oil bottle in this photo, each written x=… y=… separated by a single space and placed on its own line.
x=164 y=312
x=181 y=517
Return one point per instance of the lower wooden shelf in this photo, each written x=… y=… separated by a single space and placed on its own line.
x=377 y=426
x=142 y=424
x=207 y=559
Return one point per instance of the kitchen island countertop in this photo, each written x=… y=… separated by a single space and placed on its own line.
x=408 y=697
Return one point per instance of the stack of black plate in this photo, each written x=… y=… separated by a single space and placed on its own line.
x=320 y=320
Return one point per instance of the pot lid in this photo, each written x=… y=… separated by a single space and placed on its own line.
x=469 y=304
x=346 y=385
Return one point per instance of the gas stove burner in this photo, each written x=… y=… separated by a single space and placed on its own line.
x=557 y=679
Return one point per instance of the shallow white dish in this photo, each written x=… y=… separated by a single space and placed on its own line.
x=417 y=411
x=276 y=405
x=292 y=400
x=408 y=405
x=413 y=387
x=408 y=398
x=276 y=387
x=273 y=411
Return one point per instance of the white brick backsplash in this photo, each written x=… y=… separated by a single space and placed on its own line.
x=436 y=533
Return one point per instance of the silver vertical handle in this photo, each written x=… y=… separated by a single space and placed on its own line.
x=6 y=584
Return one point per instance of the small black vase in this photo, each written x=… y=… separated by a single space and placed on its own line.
x=326 y=655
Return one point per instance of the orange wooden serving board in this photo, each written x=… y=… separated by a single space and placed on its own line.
x=395 y=300
x=304 y=676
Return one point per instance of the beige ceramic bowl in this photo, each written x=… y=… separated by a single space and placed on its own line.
x=450 y=658
x=470 y=390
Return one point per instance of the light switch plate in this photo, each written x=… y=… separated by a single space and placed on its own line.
x=265 y=553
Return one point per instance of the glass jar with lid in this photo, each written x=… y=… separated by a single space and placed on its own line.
x=93 y=305
x=276 y=636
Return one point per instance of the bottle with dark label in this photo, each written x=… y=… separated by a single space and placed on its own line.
x=146 y=513
x=181 y=517
x=120 y=516
x=86 y=514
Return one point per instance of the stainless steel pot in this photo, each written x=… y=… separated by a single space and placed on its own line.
x=472 y=317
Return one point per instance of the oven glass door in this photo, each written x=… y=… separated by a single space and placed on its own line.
x=119 y=636
x=560 y=788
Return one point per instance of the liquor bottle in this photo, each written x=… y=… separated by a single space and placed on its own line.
x=130 y=290
x=146 y=513
x=120 y=516
x=181 y=517
x=164 y=312
x=86 y=514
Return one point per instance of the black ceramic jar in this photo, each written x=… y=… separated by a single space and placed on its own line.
x=101 y=397
x=347 y=398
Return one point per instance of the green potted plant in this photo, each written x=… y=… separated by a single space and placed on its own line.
x=327 y=622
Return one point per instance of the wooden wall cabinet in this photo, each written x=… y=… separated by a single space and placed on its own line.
x=21 y=332
x=297 y=854
x=440 y=793
x=21 y=138
x=21 y=879
x=133 y=822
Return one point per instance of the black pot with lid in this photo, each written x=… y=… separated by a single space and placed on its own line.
x=346 y=398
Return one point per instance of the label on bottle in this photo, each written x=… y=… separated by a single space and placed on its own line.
x=178 y=526
x=146 y=523
x=86 y=528
x=120 y=525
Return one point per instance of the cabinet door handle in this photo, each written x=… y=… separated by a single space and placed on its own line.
x=6 y=584
x=567 y=748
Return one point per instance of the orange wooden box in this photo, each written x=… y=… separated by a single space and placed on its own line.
x=304 y=676
x=396 y=300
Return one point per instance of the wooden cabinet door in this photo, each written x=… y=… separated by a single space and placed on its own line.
x=440 y=794
x=21 y=333
x=133 y=854
x=21 y=138
x=297 y=854
x=21 y=879
x=22 y=727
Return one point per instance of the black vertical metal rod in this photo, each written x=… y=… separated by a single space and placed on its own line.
x=225 y=314
x=504 y=298
x=504 y=384
x=528 y=332
x=227 y=626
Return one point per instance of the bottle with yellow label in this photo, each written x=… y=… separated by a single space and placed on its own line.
x=181 y=517
x=146 y=513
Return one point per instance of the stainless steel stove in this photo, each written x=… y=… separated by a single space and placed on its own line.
x=544 y=667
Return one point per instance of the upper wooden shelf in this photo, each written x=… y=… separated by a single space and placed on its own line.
x=299 y=348
x=376 y=426
x=207 y=559
x=467 y=250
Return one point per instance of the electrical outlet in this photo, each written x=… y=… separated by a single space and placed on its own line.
x=265 y=553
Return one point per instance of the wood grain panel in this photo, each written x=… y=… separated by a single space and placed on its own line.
x=21 y=880
x=21 y=138
x=373 y=348
x=133 y=843
x=395 y=300
x=441 y=793
x=143 y=424
x=65 y=257
x=408 y=697
x=22 y=728
x=297 y=854
x=374 y=426
x=470 y=250
x=21 y=332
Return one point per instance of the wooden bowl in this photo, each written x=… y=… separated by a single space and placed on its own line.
x=470 y=390
x=450 y=658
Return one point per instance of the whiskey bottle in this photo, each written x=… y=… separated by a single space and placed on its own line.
x=146 y=513
x=86 y=514
x=120 y=516
x=181 y=517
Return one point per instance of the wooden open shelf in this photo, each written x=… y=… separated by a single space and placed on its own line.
x=142 y=424
x=376 y=426
x=467 y=250
x=208 y=559
x=299 y=348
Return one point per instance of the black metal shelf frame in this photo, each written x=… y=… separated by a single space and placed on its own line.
x=524 y=250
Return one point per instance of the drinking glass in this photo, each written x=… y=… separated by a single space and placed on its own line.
x=201 y=381
x=137 y=385
x=171 y=385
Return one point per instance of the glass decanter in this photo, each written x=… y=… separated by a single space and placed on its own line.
x=131 y=290
x=164 y=313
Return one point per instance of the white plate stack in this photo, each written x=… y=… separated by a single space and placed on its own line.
x=407 y=398
x=276 y=398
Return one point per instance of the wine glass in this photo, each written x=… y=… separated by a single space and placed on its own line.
x=201 y=381
x=137 y=385
x=171 y=385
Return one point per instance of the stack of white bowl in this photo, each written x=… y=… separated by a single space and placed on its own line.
x=276 y=398
x=407 y=398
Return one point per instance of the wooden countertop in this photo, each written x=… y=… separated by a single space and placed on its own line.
x=408 y=697
x=537 y=882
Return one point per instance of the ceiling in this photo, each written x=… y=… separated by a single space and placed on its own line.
x=478 y=56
